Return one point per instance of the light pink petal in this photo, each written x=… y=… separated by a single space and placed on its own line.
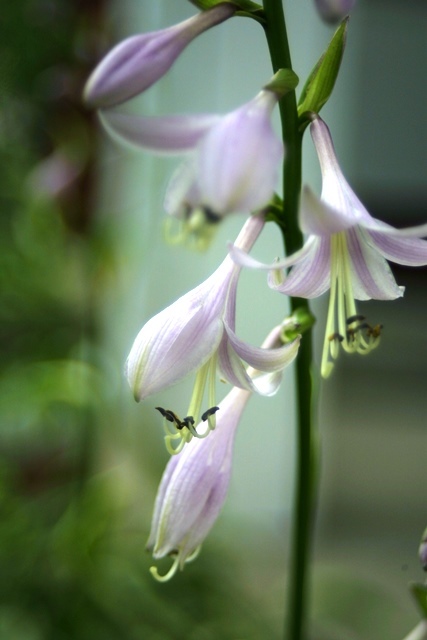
x=181 y=338
x=135 y=64
x=158 y=505
x=239 y=158
x=318 y=218
x=243 y=259
x=311 y=277
x=371 y=274
x=163 y=134
x=197 y=487
x=336 y=192
x=270 y=361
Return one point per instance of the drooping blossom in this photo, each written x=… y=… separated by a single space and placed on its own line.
x=197 y=334
x=135 y=64
x=195 y=483
x=346 y=250
x=333 y=11
x=233 y=162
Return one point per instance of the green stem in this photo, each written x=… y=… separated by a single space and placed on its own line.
x=277 y=39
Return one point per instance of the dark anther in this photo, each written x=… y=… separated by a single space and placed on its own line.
x=351 y=333
x=356 y=318
x=336 y=336
x=374 y=332
x=171 y=417
x=189 y=420
x=211 y=216
x=165 y=413
x=209 y=412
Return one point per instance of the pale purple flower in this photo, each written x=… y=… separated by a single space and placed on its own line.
x=234 y=161
x=334 y=10
x=194 y=487
x=195 y=483
x=135 y=64
x=346 y=250
x=197 y=333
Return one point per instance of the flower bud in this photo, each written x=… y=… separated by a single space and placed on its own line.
x=139 y=61
x=333 y=11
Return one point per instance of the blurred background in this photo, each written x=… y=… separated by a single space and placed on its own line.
x=84 y=265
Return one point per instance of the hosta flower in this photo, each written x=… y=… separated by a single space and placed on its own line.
x=196 y=333
x=194 y=487
x=195 y=482
x=346 y=250
x=233 y=165
x=334 y=10
x=138 y=62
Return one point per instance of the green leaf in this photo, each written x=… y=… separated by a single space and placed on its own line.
x=245 y=8
x=282 y=82
x=321 y=80
x=419 y=591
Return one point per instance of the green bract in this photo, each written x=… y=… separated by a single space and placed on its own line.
x=246 y=8
x=321 y=80
x=282 y=82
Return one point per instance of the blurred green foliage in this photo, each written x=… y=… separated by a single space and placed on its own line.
x=72 y=559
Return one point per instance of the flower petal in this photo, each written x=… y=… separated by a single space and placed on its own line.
x=181 y=338
x=182 y=193
x=135 y=64
x=269 y=361
x=198 y=483
x=239 y=158
x=163 y=134
x=243 y=259
x=318 y=218
x=402 y=250
x=311 y=277
x=336 y=192
x=371 y=274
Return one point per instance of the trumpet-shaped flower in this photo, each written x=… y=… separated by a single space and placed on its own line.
x=346 y=250
x=194 y=487
x=197 y=333
x=135 y=64
x=195 y=483
x=234 y=162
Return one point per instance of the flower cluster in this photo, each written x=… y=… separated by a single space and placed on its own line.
x=231 y=165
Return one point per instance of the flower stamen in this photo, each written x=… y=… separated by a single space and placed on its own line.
x=184 y=430
x=344 y=326
x=170 y=574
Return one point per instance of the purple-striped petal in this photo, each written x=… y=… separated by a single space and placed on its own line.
x=310 y=277
x=371 y=275
x=402 y=250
